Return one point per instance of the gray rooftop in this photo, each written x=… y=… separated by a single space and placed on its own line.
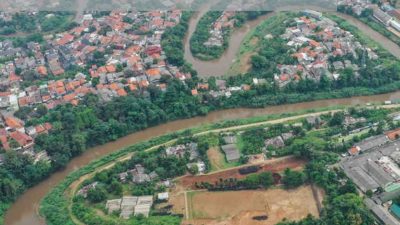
x=372 y=142
x=362 y=179
x=379 y=175
x=231 y=152
x=230 y=139
x=381 y=213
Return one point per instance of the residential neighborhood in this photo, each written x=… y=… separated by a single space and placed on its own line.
x=319 y=47
x=217 y=114
x=221 y=25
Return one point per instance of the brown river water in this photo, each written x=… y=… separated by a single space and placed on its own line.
x=25 y=210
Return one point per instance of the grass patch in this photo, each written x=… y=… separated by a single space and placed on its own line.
x=217 y=160
x=249 y=46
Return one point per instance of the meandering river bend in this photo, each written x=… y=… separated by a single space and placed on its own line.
x=24 y=210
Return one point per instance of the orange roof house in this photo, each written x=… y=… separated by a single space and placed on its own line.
x=202 y=86
x=194 y=92
x=13 y=122
x=284 y=77
x=4 y=142
x=60 y=90
x=40 y=129
x=354 y=150
x=65 y=39
x=143 y=83
x=42 y=70
x=75 y=102
x=111 y=68
x=153 y=72
x=23 y=139
x=114 y=86
x=23 y=101
x=393 y=134
x=69 y=97
x=121 y=92
x=14 y=77
x=102 y=69
x=48 y=126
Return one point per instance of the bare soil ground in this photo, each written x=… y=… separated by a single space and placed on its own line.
x=240 y=207
x=256 y=159
x=177 y=199
x=274 y=166
x=216 y=159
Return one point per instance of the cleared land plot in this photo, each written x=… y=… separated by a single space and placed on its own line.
x=274 y=166
x=239 y=207
x=217 y=159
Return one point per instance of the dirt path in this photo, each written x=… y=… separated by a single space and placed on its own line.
x=186 y=206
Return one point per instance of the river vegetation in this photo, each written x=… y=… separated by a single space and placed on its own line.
x=93 y=123
x=203 y=33
x=316 y=144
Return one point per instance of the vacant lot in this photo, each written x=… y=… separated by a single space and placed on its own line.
x=239 y=207
x=217 y=159
x=274 y=165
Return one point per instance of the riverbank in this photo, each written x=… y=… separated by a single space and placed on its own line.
x=56 y=204
x=217 y=67
x=227 y=64
x=24 y=211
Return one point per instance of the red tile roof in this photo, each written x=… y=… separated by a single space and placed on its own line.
x=354 y=151
x=121 y=92
x=65 y=39
x=111 y=68
x=393 y=134
x=4 y=142
x=42 y=70
x=22 y=138
x=153 y=72
x=13 y=122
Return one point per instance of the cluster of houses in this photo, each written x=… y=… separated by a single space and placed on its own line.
x=188 y=150
x=138 y=175
x=218 y=28
x=14 y=135
x=384 y=14
x=128 y=43
x=315 y=40
x=278 y=141
x=135 y=45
